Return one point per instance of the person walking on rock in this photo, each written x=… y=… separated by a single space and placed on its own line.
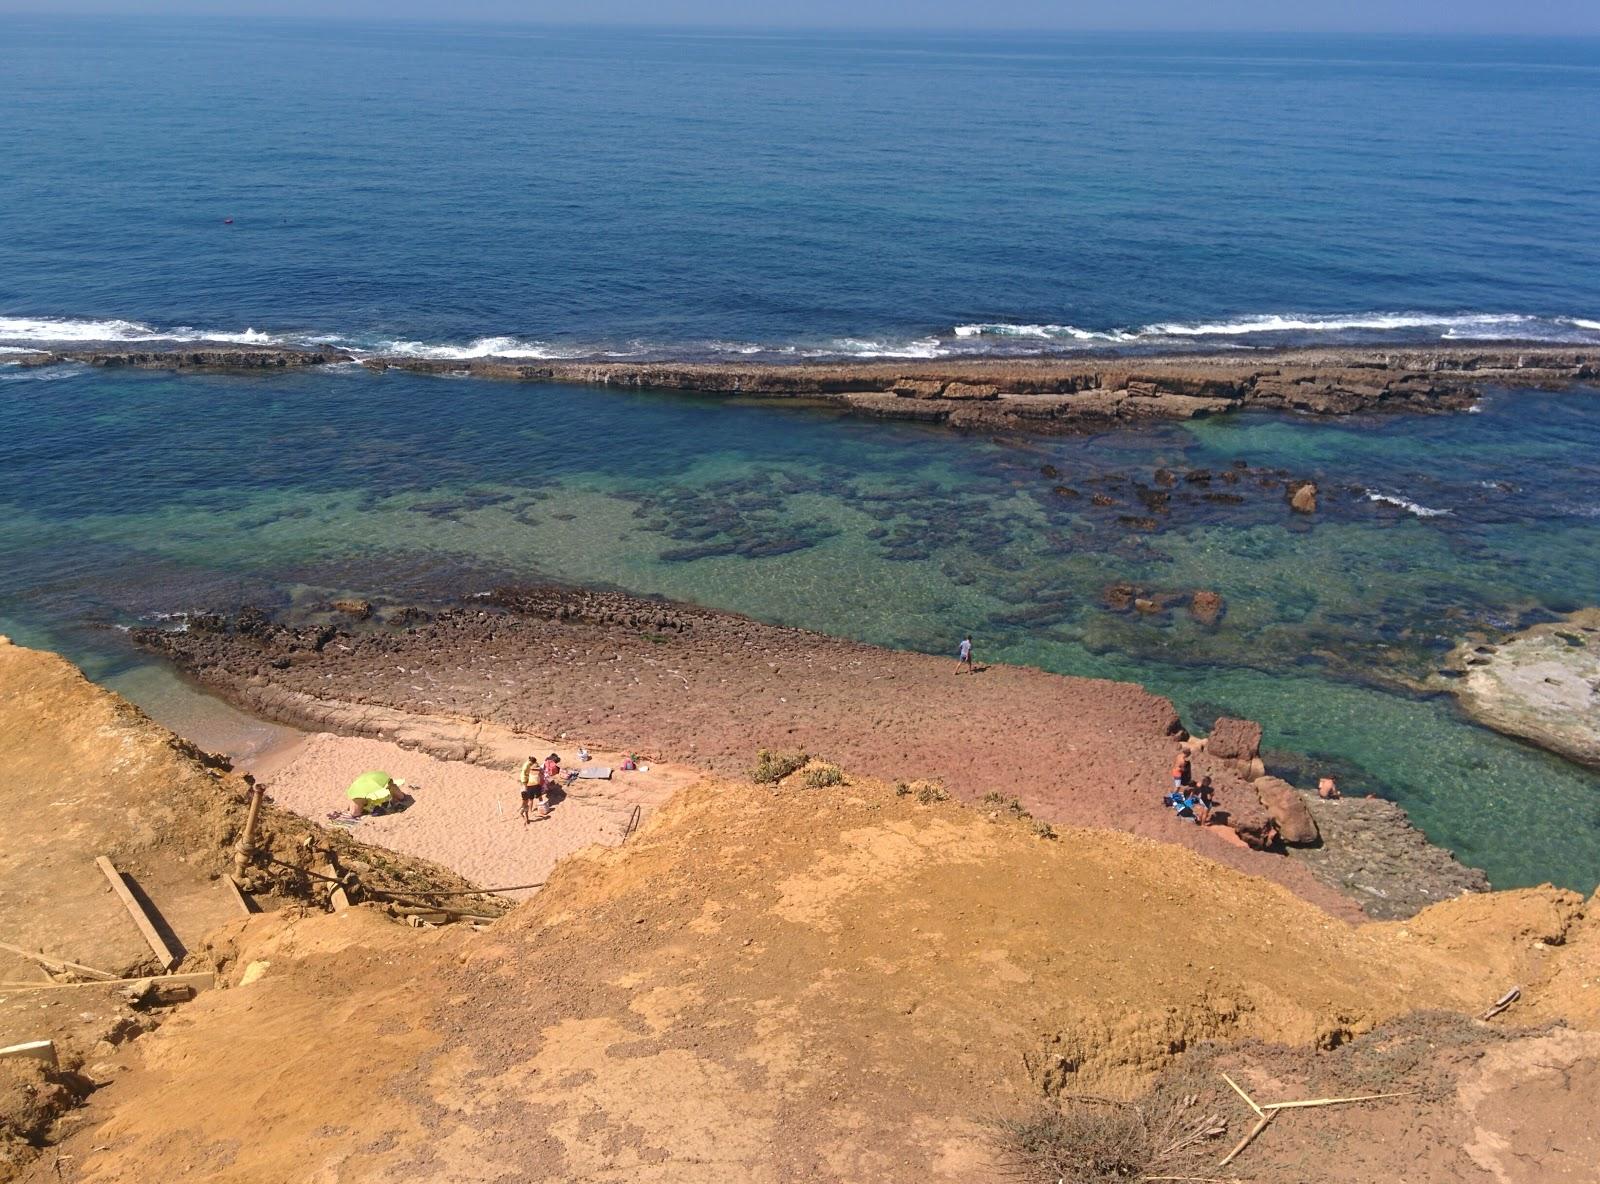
x=964 y=656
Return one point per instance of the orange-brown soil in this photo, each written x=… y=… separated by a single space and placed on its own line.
x=83 y=773
x=802 y=984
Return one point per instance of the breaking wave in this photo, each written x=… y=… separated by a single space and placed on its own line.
x=971 y=339
x=1406 y=504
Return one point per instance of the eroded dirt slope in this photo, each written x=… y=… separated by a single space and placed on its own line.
x=800 y=984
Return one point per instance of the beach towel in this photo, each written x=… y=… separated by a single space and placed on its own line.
x=596 y=773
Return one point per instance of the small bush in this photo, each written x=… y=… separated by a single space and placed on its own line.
x=1082 y=1141
x=822 y=776
x=932 y=791
x=773 y=767
x=901 y=789
x=994 y=798
x=1043 y=829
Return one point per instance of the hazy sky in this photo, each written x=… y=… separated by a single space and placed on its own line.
x=1461 y=16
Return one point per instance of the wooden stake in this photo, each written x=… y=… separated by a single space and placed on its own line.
x=163 y=952
x=1248 y=1101
x=239 y=898
x=1261 y=1125
x=38 y=1050
x=1502 y=1003
x=200 y=980
x=47 y=960
x=1274 y=1107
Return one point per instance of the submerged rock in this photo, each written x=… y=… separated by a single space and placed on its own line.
x=1206 y=606
x=1303 y=497
x=1542 y=684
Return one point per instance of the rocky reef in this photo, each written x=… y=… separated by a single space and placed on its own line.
x=1541 y=684
x=1041 y=396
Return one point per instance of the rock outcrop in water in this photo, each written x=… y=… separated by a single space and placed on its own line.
x=1542 y=684
x=1040 y=395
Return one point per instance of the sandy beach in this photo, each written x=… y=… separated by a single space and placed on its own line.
x=465 y=815
x=707 y=690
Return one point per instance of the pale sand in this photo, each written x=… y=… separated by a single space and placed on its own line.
x=465 y=816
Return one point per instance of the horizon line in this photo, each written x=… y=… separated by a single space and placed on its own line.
x=390 y=20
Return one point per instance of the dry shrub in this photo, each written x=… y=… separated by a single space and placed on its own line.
x=1083 y=1141
x=773 y=767
x=823 y=775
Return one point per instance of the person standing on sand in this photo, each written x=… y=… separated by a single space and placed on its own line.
x=964 y=656
x=532 y=778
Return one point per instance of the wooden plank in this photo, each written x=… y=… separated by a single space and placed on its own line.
x=243 y=902
x=164 y=954
x=38 y=1050
x=47 y=960
x=200 y=980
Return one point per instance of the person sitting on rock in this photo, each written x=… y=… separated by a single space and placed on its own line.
x=1328 y=789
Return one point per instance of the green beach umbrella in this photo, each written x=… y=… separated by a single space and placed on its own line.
x=372 y=788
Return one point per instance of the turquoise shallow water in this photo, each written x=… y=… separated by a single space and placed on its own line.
x=127 y=495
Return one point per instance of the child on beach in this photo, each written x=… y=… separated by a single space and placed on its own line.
x=964 y=655
x=533 y=789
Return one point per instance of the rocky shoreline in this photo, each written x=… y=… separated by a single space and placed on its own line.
x=1041 y=396
x=1541 y=684
x=680 y=683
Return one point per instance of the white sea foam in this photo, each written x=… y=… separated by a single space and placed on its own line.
x=1406 y=504
x=857 y=347
x=482 y=347
x=1042 y=332
x=18 y=334
x=1295 y=323
x=1448 y=326
x=51 y=331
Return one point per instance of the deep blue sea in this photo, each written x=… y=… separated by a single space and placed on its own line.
x=460 y=192
x=565 y=192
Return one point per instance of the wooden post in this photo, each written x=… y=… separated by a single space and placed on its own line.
x=241 y=855
x=240 y=900
x=164 y=953
x=47 y=961
x=38 y=1050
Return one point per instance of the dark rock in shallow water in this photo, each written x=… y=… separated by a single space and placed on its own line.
x=1371 y=850
x=1206 y=607
x=1119 y=598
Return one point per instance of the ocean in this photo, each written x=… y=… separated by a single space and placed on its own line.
x=552 y=193
x=455 y=192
